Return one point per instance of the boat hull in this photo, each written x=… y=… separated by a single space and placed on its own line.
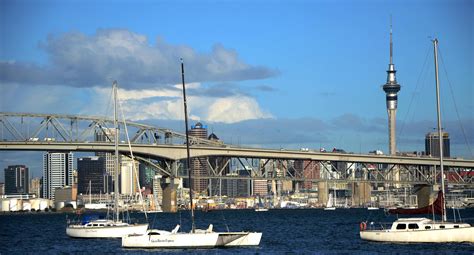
x=81 y=231
x=420 y=236
x=172 y=240
x=239 y=239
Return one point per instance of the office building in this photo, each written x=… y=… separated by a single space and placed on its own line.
x=432 y=144
x=17 y=180
x=199 y=165
x=106 y=135
x=35 y=187
x=91 y=175
x=128 y=176
x=146 y=177
x=57 y=172
x=308 y=169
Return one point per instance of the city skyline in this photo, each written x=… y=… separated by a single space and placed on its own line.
x=265 y=74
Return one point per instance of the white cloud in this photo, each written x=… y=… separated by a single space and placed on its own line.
x=235 y=109
x=227 y=109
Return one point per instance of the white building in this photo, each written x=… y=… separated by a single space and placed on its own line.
x=128 y=176
x=57 y=172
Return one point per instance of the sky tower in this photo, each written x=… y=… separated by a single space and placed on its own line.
x=391 y=89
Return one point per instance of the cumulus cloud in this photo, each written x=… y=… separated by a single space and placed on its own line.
x=81 y=60
x=169 y=105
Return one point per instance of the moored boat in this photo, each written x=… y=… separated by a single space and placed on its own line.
x=423 y=230
x=154 y=238
x=113 y=227
x=420 y=230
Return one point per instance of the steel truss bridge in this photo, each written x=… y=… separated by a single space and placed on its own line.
x=165 y=150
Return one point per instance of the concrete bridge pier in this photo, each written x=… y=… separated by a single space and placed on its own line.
x=169 y=186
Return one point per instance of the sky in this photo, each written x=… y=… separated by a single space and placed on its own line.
x=269 y=74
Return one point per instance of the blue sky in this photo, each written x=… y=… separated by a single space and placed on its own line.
x=261 y=73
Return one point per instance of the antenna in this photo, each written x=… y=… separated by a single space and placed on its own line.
x=391 y=44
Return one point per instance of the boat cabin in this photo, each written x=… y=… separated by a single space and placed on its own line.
x=414 y=224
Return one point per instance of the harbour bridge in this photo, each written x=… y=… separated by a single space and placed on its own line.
x=165 y=149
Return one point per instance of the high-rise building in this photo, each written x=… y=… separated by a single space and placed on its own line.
x=244 y=186
x=91 y=177
x=35 y=186
x=260 y=188
x=432 y=144
x=128 y=176
x=146 y=177
x=17 y=180
x=391 y=89
x=310 y=170
x=57 y=172
x=199 y=165
x=106 y=135
x=229 y=187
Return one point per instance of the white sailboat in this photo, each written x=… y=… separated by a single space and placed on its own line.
x=424 y=230
x=107 y=228
x=331 y=204
x=260 y=206
x=197 y=238
x=94 y=206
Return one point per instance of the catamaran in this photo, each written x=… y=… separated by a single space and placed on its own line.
x=107 y=228
x=197 y=238
x=424 y=230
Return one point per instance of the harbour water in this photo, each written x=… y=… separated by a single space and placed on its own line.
x=297 y=231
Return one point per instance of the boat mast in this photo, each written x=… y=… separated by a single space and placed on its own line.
x=188 y=158
x=440 y=131
x=116 y=165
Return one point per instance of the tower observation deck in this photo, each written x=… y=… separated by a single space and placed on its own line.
x=391 y=89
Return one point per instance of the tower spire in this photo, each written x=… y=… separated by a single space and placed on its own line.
x=391 y=43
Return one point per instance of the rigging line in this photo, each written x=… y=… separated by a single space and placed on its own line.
x=455 y=105
x=428 y=50
x=109 y=103
x=133 y=159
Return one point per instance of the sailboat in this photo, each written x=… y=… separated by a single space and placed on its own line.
x=107 y=228
x=260 y=206
x=94 y=206
x=424 y=230
x=331 y=204
x=196 y=238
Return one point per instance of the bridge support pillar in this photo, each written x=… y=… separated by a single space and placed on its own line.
x=361 y=194
x=169 y=186
x=423 y=194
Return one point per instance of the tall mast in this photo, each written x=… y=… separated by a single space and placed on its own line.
x=188 y=158
x=440 y=131
x=116 y=188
